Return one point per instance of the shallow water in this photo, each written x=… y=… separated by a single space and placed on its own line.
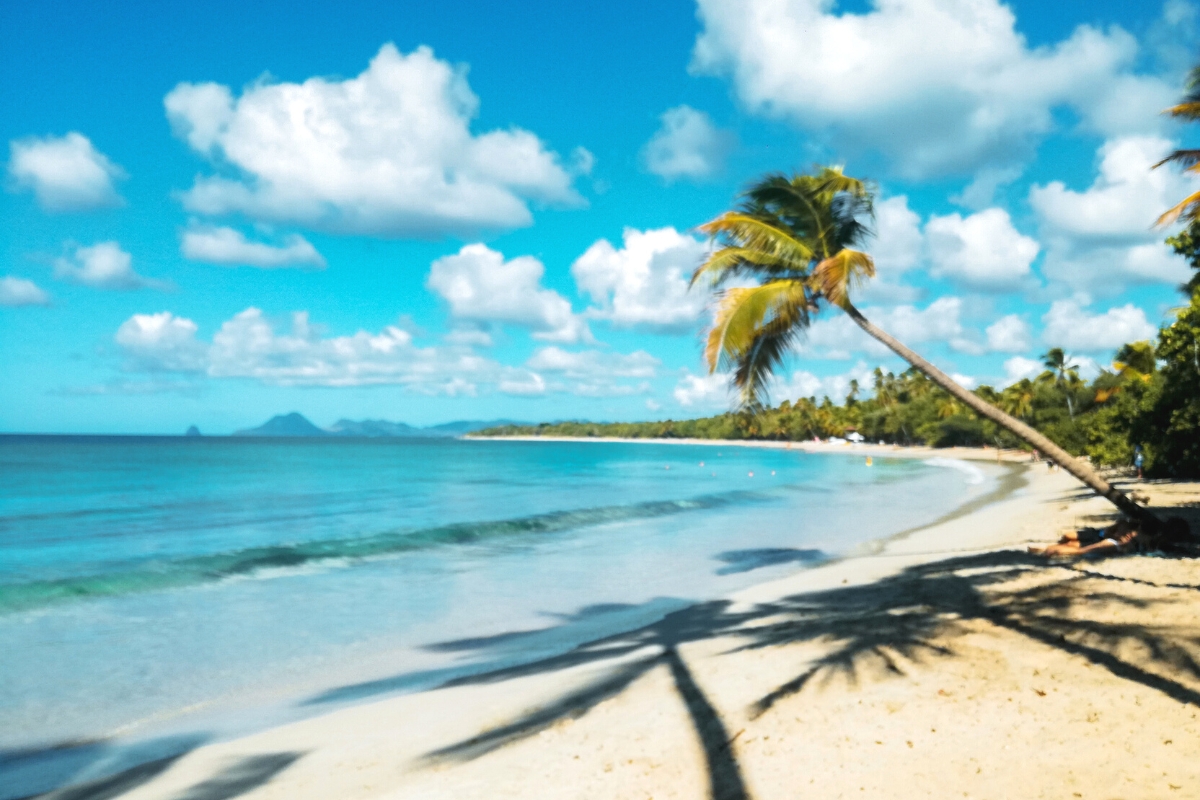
x=149 y=584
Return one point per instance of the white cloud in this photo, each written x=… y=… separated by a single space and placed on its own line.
x=468 y=337
x=803 y=383
x=898 y=247
x=1103 y=238
x=1008 y=334
x=1071 y=327
x=703 y=391
x=104 y=265
x=162 y=342
x=389 y=152
x=593 y=373
x=939 y=86
x=836 y=336
x=66 y=173
x=983 y=251
x=687 y=145
x=230 y=247
x=16 y=291
x=645 y=283
x=250 y=346
x=966 y=381
x=1018 y=368
x=481 y=286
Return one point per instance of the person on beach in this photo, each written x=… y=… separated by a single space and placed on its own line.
x=1139 y=459
x=1116 y=538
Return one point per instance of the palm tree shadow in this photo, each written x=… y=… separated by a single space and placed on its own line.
x=869 y=632
x=916 y=615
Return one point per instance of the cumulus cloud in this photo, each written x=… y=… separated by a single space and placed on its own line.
x=703 y=391
x=1103 y=238
x=229 y=247
x=1018 y=368
x=482 y=287
x=251 y=346
x=162 y=342
x=1008 y=334
x=898 y=247
x=643 y=284
x=16 y=291
x=837 y=337
x=939 y=87
x=803 y=383
x=983 y=251
x=66 y=173
x=104 y=265
x=687 y=145
x=593 y=373
x=389 y=152
x=1070 y=326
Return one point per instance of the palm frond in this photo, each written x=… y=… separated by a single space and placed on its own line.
x=753 y=329
x=1188 y=158
x=835 y=276
x=1187 y=209
x=1187 y=110
x=753 y=244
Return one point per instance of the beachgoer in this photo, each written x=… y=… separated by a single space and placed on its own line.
x=1117 y=538
x=1139 y=459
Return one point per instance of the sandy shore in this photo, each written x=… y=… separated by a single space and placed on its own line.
x=948 y=664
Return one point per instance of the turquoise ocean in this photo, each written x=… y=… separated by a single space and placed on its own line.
x=158 y=592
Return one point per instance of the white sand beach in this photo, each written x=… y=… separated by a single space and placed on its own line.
x=949 y=663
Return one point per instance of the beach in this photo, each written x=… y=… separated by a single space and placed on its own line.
x=945 y=661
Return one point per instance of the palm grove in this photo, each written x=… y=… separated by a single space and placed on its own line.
x=795 y=239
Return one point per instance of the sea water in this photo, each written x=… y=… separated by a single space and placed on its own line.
x=194 y=585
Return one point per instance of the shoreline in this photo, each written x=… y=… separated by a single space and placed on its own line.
x=847 y=448
x=605 y=720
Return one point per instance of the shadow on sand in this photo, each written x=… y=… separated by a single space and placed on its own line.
x=878 y=629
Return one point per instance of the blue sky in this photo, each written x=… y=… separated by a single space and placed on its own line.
x=213 y=213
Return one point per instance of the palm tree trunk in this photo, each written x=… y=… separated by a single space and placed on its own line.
x=1075 y=466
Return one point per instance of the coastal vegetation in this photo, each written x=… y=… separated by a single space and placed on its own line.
x=1149 y=395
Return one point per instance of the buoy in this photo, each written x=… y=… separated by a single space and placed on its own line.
x=868 y=461
x=772 y=472
x=702 y=463
x=668 y=466
x=751 y=473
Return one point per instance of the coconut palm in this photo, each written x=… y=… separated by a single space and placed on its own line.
x=1063 y=372
x=797 y=238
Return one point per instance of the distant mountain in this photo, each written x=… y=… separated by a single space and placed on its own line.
x=373 y=428
x=295 y=424
x=463 y=427
x=192 y=431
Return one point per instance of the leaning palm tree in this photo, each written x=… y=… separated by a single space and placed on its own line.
x=797 y=238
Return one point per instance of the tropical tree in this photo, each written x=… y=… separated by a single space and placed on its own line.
x=1064 y=372
x=798 y=238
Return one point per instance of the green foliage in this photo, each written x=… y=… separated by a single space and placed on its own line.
x=1187 y=244
x=1142 y=402
x=1170 y=426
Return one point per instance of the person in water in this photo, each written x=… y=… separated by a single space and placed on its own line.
x=1116 y=538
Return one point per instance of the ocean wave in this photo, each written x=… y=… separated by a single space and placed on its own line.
x=292 y=559
x=975 y=475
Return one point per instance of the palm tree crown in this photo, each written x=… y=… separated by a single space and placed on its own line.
x=796 y=236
